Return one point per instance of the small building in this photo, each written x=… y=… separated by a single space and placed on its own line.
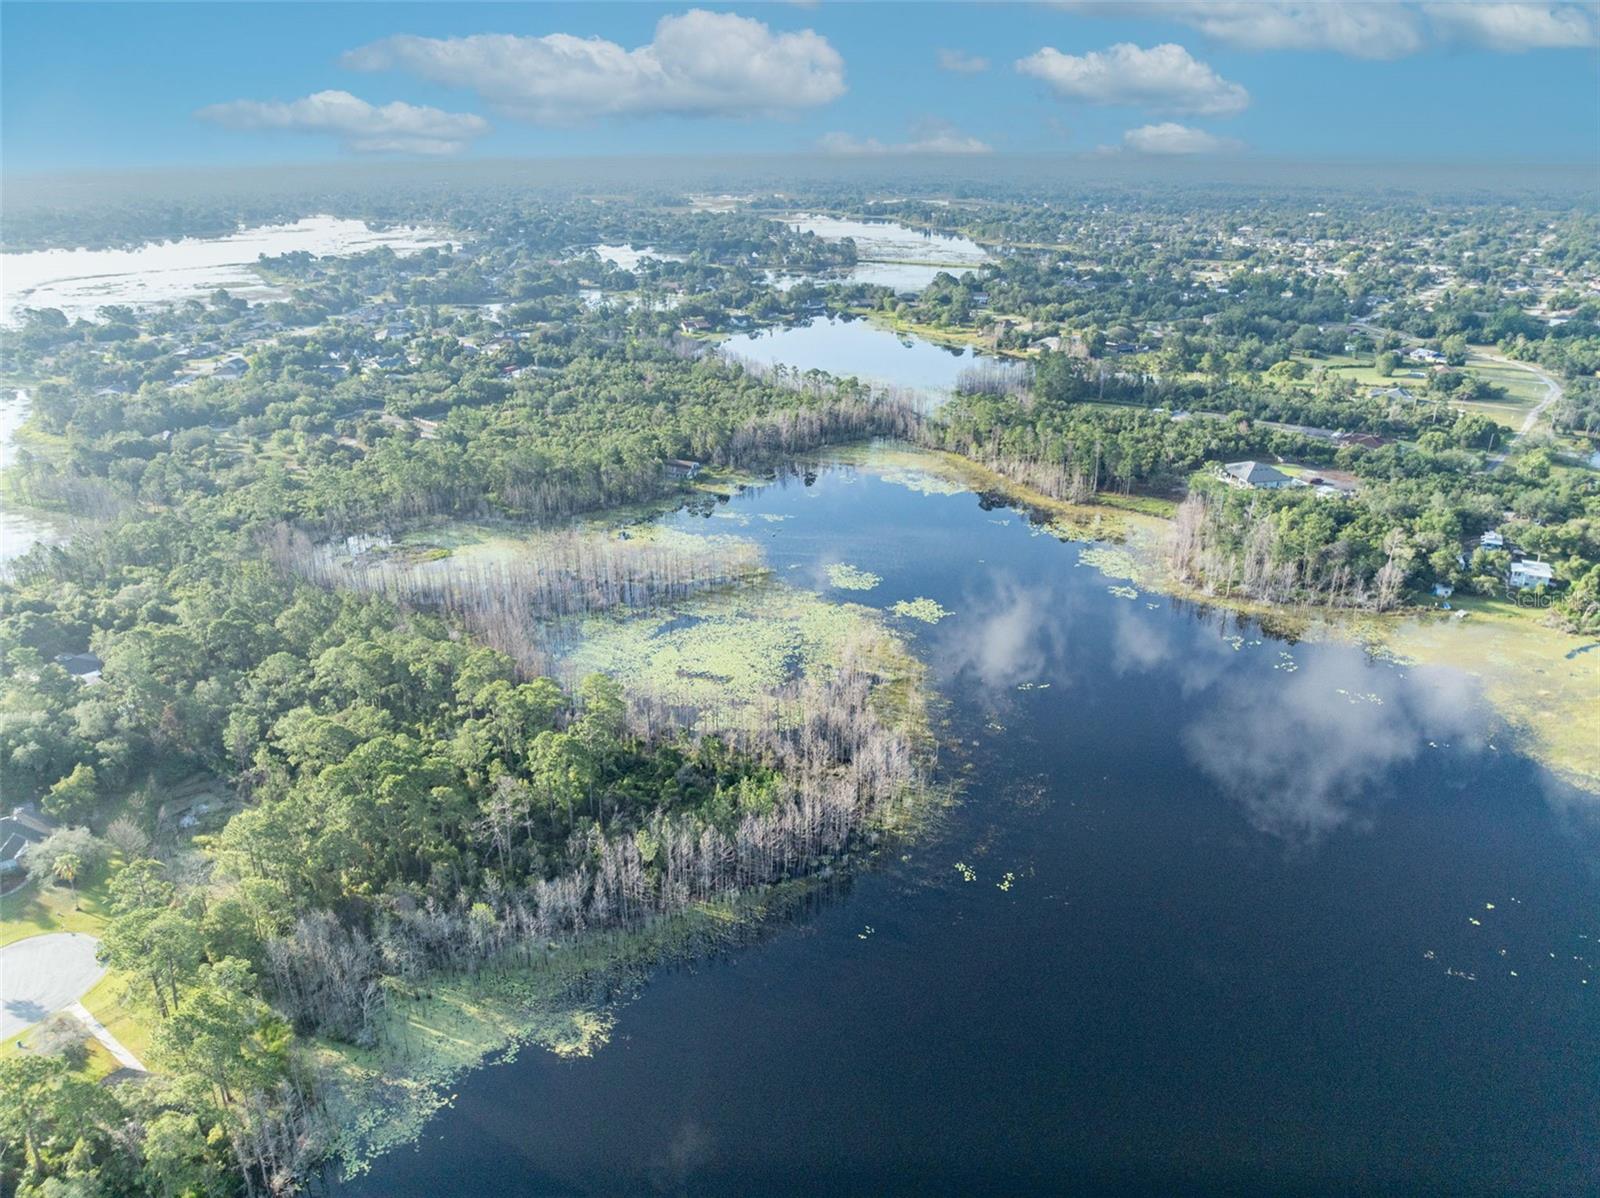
x=85 y=667
x=1526 y=575
x=682 y=468
x=1492 y=540
x=1256 y=476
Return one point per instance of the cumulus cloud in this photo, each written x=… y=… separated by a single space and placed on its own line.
x=962 y=63
x=928 y=137
x=1363 y=28
x=1165 y=78
x=698 y=64
x=1516 y=27
x=1169 y=137
x=363 y=128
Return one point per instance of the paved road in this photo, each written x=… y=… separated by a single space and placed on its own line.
x=42 y=974
x=1552 y=391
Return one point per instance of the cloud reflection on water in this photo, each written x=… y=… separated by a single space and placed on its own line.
x=1305 y=738
x=1312 y=750
x=1023 y=636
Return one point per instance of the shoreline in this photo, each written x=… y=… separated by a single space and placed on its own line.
x=1534 y=675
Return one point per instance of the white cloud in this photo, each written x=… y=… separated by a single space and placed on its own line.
x=361 y=127
x=962 y=63
x=1172 y=138
x=699 y=64
x=1363 y=30
x=928 y=137
x=1165 y=78
x=1513 y=28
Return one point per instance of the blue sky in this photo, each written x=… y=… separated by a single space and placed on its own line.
x=125 y=85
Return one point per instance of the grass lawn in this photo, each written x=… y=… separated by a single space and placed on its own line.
x=110 y=1003
x=35 y=910
x=1523 y=388
x=98 y=1062
x=105 y=1003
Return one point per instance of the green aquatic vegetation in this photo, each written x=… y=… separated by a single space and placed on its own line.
x=851 y=578
x=1122 y=592
x=926 y=610
x=1007 y=881
x=968 y=874
x=1111 y=560
x=921 y=481
x=733 y=648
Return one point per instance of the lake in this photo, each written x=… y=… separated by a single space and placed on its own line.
x=888 y=241
x=627 y=257
x=1216 y=913
x=902 y=277
x=19 y=531
x=856 y=348
x=79 y=282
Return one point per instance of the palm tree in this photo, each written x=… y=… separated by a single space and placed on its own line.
x=66 y=869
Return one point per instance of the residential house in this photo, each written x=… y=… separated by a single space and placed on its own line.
x=1365 y=440
x=24 y=826
x=681 y=468
x=1257 y=476
x=1525 y=575
x=1392 y=394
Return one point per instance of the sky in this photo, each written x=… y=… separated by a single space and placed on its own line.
x=107 y=86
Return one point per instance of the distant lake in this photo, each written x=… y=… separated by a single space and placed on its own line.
x=19 y=532
x=79 y=282
x=627 y=257
x=1218 y=913
x=901 y=276
x=887 y=241
x=859 y=349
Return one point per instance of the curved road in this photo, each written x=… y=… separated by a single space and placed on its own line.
x=1552 y=390
x=45 y=974
x=42 y=974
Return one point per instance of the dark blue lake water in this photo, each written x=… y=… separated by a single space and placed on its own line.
x=1243 y=917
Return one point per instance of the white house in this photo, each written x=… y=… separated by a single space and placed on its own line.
x=1525 y=575
x=1492 y=540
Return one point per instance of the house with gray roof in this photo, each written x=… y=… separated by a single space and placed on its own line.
x=1257 y=476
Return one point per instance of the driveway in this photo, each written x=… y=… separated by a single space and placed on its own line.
x=43 y=974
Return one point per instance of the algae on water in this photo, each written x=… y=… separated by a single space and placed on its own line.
x=926 y=610
x=851 y=578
